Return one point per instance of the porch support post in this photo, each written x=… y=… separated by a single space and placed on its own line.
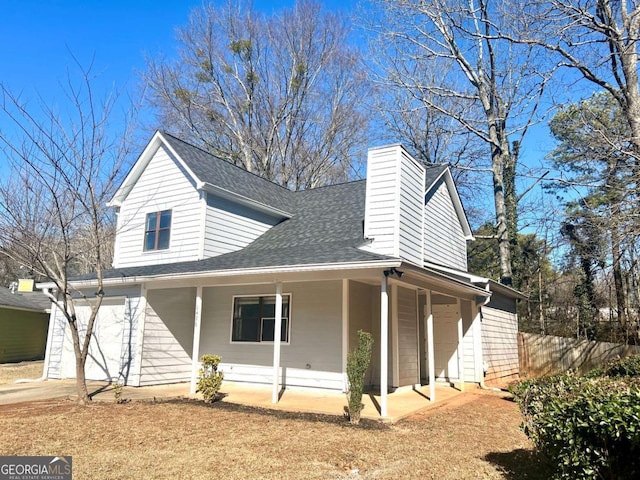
x=430 y=351
x=195 y=354
x=395 y=341
x=384 y=345
x=277 y=333
x=460 y=346
x=345 y=331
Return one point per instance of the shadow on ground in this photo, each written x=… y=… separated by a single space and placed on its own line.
x=521 y=463
x=366 y=424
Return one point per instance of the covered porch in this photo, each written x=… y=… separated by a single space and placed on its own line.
x=426 y=329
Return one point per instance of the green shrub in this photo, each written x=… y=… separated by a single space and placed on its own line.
x=358 y=361
x=625 y=367
x=209 y=378
x=586 y=427
x=622 y=367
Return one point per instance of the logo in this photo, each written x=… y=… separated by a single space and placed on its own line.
x=35 y=468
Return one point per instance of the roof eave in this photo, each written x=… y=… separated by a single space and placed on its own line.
x=373 y=264
x=438 y=275
x=140 y=165
x=506 y=290
x=236 y=197
x=457 y=204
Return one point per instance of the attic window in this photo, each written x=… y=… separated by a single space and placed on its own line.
x=157 y=230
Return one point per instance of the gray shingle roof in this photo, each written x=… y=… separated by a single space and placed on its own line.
x=433 y=172
x=221 y=173
x=326 y=227
x=24 y=300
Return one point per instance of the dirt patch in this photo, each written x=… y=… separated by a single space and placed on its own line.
x=10 y=372
x=478 y=438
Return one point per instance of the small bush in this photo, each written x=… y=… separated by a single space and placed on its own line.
x=358 y=361
x=586 y=427
x=117 y=393
x=209 y=378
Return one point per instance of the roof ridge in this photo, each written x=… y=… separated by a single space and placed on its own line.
x=226 y=161
x=348 y=182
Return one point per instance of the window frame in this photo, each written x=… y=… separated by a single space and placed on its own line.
x=157 y=230
x=260 y=342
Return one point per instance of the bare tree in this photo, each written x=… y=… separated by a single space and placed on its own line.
x=490 y=88
x=435 y=138
x=595 y=38
x=53 y=216
x=281 y=96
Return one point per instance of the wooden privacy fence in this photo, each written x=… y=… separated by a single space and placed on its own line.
x=545 y=354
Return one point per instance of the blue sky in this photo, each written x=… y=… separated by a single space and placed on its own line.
x=38 y=38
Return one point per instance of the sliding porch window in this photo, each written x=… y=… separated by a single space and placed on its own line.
x=254 y=319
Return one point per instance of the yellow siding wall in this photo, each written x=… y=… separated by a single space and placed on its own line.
x=23 y=335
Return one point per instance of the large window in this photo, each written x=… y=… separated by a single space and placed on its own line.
x=254 y=319
x=157 y=230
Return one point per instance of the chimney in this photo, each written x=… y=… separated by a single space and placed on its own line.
x=394 y=208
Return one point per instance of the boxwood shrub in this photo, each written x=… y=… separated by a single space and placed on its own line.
x=586 y=427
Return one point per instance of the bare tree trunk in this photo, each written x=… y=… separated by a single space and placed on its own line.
x=540 y=309
x=500 y=158
x=617 y=275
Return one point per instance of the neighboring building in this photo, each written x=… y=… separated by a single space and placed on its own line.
x=24 y=318
x=212 y=259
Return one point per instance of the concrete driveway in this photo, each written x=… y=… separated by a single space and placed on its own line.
x=101 y=391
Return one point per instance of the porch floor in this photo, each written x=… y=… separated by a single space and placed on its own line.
x=400 y=403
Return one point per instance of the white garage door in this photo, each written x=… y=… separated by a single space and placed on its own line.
x=104 y=358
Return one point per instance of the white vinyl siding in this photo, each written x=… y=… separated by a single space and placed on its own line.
x=469 y=344
x=23 y=334
x=444 y=239
x=412 y=178
x=313 y=357
x=230 y=227
x=163 y=185
x=363 y=316
x=380 y=222
x=500 y=339
x=407 y=337
x=57 y=344
x=168 y=336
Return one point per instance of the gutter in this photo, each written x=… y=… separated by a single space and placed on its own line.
x=431 y=273
x=236 y=272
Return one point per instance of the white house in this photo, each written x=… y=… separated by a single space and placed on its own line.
x=212 y=259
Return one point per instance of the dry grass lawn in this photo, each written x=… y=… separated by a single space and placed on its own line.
x=10 y=372
x=476 y=436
